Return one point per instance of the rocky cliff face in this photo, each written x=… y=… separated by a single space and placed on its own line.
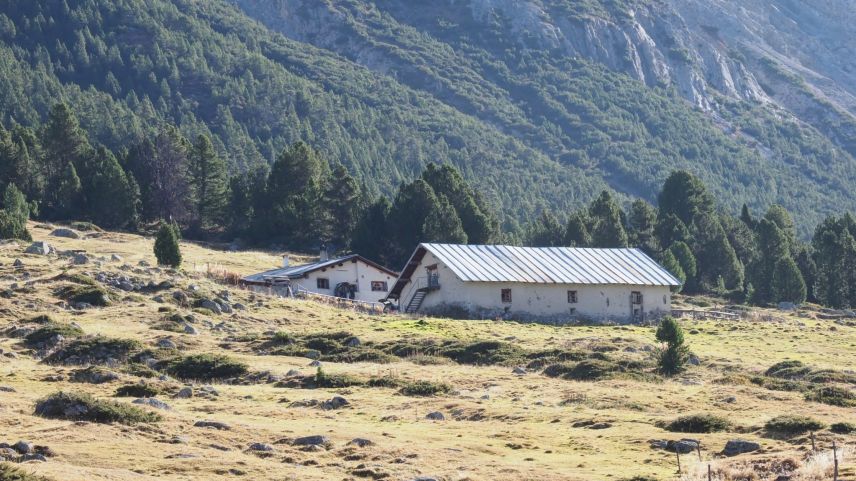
x=794 y=54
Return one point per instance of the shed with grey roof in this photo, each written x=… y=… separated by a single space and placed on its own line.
x=549 y=283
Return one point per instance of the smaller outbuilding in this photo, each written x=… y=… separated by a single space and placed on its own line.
x=349 y=277
x=549 y=284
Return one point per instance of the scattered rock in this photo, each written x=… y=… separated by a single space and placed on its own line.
x=41 y=248
x=184 y=393
x=683 y=446
x=66 y=233
x=352 y=341
x=239 y=307
x=693 y=360
x=730 y=399
x=94 y=375
x=152 y=402
x=18 y=263
x=180 y=296
x=361 y=442
x=260 y=447
x=210 y=305
x=739 y=446
x=166 y=344
x=213 y=424
x=7 y=389
x=181 y=456
x=23 y=447
x=519 y=371
x=79 y=259
x=116 y=258
x=292 y=373
x=315 y=363
x=144 y=264
x=435 y=416
x=337 y=402
x=188 y=329
x=317 y=440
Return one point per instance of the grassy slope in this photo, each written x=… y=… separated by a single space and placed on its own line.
x=521 y=410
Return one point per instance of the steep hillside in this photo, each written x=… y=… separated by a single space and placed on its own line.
x=536 y=69
x=515 y=401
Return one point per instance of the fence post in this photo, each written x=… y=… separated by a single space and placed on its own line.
x=678 y=454
x=813 y=446
x=698 y=449
x=709 y=473
x=835 y=460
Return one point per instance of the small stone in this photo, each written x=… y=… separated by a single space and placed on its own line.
x=292 y=373
x=740 y=446
x=315 y=363
x=152 y=402
x=435 y=416
x=80 y=259
x=143 y=264
x=18 y=263
x=184 y=393
x=316 y=440
x=188 y=329
x=23 y=447
x=213 y=424
x=239 y=307
x=7 y=389
x=159 y=298
x=693 y=360
x=519 y=371
x=166 y=344
x=360 y=442
x=337 y=402
x=41 y=248
x=179 y=296
x=66 y=233
x=260 y=447
x=682 y=446
x=116 y=258
x=33 y=457
x=210 y=305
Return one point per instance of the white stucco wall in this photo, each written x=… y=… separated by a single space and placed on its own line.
x=353 y=272
x=530 y=300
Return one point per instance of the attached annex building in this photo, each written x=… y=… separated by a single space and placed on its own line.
x=554 y=284
x=351 y=277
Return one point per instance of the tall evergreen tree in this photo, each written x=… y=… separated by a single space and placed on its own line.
x=671 y=229
x=545 y=231
x=68 y=198
x=773 y=246
x=167 y=250
x=641 y=223
x=685 y=196
x=670 y=262
x=607 y=226
x=714 y=254
x=210 y=182
x=413 y=204
x=684 y=255
x=443 y=224
x=479 y=223
x=14 y=215
x=342 y=199
x=370 y=237
x=746 y=217
x=110 y=198
x=788 y=284
x=63 y=143
x=161 y=169
x=577 y=232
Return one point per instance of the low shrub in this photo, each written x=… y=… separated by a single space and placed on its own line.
x=597 y=369
x=81 y=279
x=84 y=407
x=485 y=353
x=206 y=367
x=384 y=381
x=777 y=384
x=843 y=428
x=92 y=295
x=8 y=472
x=698 y=423
x=329 y=381
x=362 y=354
x=281 y=338
x=832 y=395
x=137 y=390
x=95 y=350
x=793 y=425
x=425 y=388
x=49 y=331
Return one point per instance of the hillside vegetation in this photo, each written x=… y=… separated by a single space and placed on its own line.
x=148 y=387
x=385 y=89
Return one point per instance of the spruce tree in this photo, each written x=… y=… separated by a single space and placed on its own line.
x=413 y=204
x=167 y=250
x=110 y=196
x=788 y=284
x=62 y=141
x=773 y=246
x=479 y=223
x=670 y=229
x=371 y=233
x=68 y=198
x=684 y=255
x=715 y=256
x=210 y=184
x=545 y=231
x=343 y=203
x=674 y=267
x=577 y=232
x=608 y=228
x=443 y=224
x=641 y=223
x=746 y=217
x=672 y=359
x=685 y=196
x=14 y=215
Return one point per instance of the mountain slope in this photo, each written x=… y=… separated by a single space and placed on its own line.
x=529 y=99
x=545 y=60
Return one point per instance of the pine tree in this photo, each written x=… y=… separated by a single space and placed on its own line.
x=773 y=246
x=674 y=267
x=674 y=357
x=545 y=231
x=782 y=218
x=788 y=284
x=685 y=196
x=110 y=197
x=715 y=256
x=576 y=232
x=68 y=197
x=167 y=250
x=608 y=228
x=684 y=255
x=443 y=224
x=342 y=201
x=670 y=229
x=63 y=143
x=413 y=204
x=370 y=238
x=210 y=184
x=479 y=223
x=14 y=215
x=746 y=217
x=641 y=222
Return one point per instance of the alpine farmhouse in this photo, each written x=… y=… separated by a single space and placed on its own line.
x=550 y=284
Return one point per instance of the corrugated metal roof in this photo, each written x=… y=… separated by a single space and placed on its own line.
x=296 y=272
x=551 y=265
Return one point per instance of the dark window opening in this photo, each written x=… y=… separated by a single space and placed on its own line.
x=572 y=297
x=636 y=297
x=379 y=286
x=506 y=296
x=322 y=283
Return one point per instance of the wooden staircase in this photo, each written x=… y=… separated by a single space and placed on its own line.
x=416 y=301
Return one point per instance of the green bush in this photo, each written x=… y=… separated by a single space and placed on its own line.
x=84 y=407
x=425 y=388
x=137 y=390
x=360 y=354
x=281 y=338
x=832 y=395
x=81 y=279
x=331 y=381
x=9 y=472
x=44 y=334
x=206 y=367
x=793 y=425
x=776 y=384
x=698 y=423
x=674 y=357
x=93 y=295
x=484 y=353
x=384 y=381
x=843 y=428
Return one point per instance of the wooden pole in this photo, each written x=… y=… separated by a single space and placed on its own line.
x=698 y=449
x=813 y=446
x=709 y=473
x=678 y=454
x=835 y=460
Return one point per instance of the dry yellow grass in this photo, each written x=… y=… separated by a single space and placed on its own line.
x=523 y=431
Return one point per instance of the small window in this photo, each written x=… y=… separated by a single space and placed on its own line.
x=636 y=297
x=322 y=283
x=506 y=296
x=665 y=301
x=379 y=286
x=573 y=311
x=572 y=297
